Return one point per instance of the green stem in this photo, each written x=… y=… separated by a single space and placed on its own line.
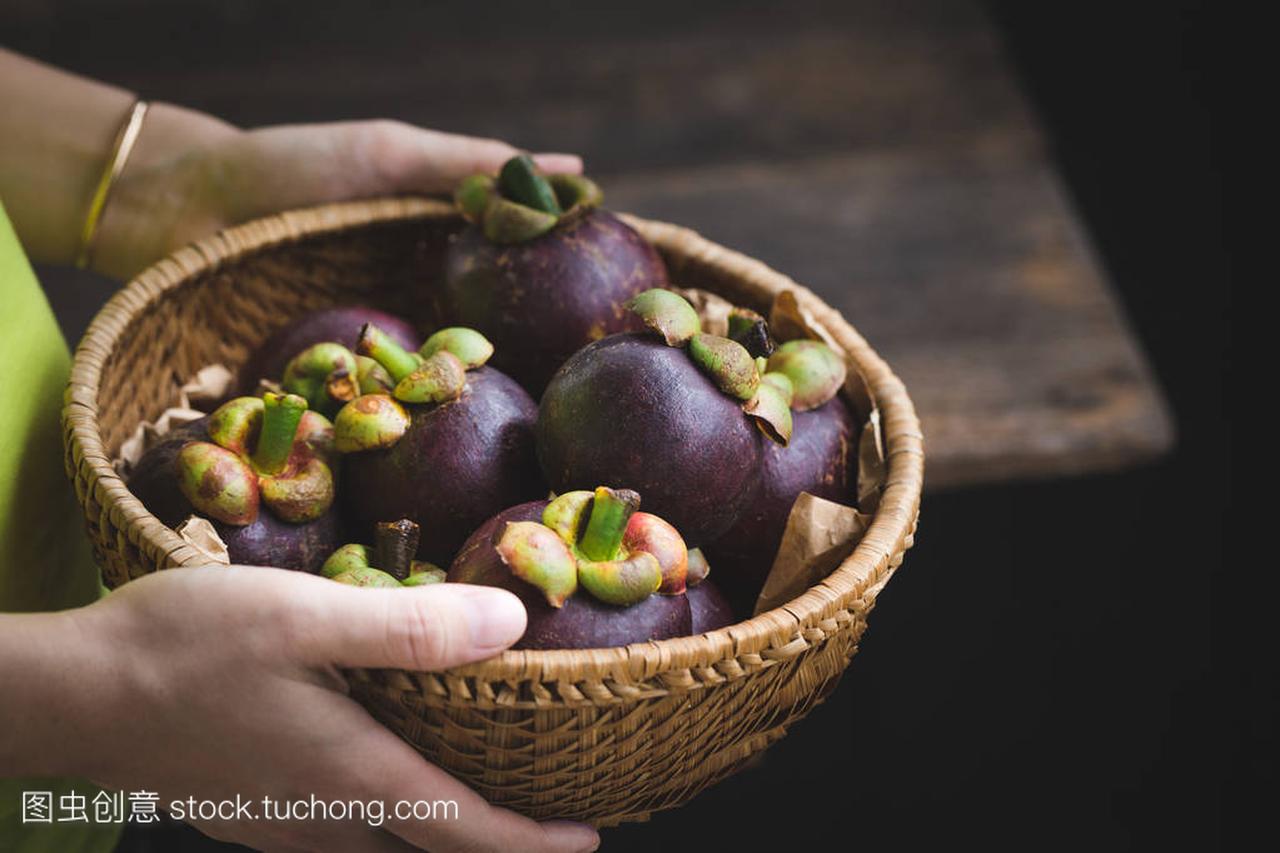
x=610 y=512
x=395 y=543
x=280 y=418
x=379 y=346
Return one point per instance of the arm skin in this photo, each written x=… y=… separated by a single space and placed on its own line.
x=213 y=682
x=219 y=681
x=191 y=174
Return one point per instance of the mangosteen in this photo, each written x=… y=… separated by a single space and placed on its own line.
x=447 y=447
x=591 y=570
x=207 y=468
x=541 y=270
x=388 y=563
x=820 y=458
x=339 y=325
x=673 y=415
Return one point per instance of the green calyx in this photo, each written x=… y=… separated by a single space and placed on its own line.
x=736 y=364
x=434 y=374
x=592 y=539
x=347 y=558
x=371 y=377
x=653 y=535
x=326 y=375
x=621 y=582
x=576 y=192
x=472 y=348
x=367 y=576
x=234 y=424
x=770 y=410
x=815 y=371
x=316 y=432
x=302 y=495
x=522 y=204
x=369 y=422
x=779 y=382
x=510 y=222
x=439 y=379
x=536 y=555
x=699 y=568
x=218 y=483
x=668 y=314
x=389 y=375
x=359 y=565
x=422 y=573
x=727 y=363
x=226 y=480
x=473 y=195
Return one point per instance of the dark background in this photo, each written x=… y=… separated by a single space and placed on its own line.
x=1050 y=669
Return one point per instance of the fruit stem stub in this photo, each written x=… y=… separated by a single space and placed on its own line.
x=394 y=545
x=611 y=510
x=379 y=346
x=280 y=418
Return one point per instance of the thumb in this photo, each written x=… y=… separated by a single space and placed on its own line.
x=427 y=628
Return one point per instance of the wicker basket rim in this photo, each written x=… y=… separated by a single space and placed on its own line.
x=775 y=632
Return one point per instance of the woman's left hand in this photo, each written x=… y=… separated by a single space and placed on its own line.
x=191 y=174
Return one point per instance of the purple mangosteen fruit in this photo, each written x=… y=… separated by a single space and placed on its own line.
x=591 y=570
x=680 y=416
x=339 y=325
x=258 y=469
x=448 y=446
x=541 y=270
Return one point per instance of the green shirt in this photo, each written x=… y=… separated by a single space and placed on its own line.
x=45 y=563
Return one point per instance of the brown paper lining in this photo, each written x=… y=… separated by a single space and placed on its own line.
x=820 y=534
x=195 y=398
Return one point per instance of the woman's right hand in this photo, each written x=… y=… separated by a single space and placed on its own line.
x=216 y=682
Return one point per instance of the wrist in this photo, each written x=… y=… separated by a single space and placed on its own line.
x=169 y=193
x=49 y=719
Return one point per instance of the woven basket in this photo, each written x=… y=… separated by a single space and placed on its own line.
x=602 y=735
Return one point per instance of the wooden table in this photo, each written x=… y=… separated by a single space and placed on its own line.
x=884 y=157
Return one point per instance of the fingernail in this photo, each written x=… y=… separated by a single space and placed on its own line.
x=573 y=835
x=495 y=617
x=551 y=161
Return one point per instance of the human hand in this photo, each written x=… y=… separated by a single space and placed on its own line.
x=191 y=174
x=216 y=681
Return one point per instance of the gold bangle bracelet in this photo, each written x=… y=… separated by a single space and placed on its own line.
x=126 y=137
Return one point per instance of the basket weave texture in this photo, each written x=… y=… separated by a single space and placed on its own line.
x=600 y=735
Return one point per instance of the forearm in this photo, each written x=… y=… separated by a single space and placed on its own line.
x=58 y=130
x=48 y=695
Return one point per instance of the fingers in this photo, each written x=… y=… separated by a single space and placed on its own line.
x=554 y=164
x=349 y=836
x=391 y=770
x=409 y=158
x=428 y=628
x=277 y=168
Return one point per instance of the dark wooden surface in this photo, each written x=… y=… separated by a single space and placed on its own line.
x=882 y=156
